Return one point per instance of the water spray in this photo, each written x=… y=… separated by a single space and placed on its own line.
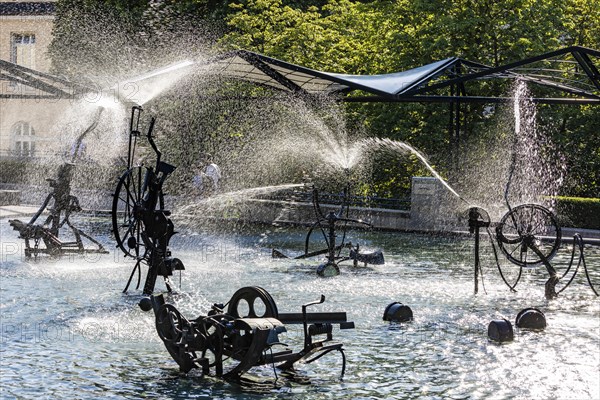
x=385 y=143
x=143 y=88
x=528 y=235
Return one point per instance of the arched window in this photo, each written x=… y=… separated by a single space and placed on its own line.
x=23 y=138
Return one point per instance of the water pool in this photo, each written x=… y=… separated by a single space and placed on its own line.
x=68 y=332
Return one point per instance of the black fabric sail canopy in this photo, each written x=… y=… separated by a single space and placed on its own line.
x=570 y=74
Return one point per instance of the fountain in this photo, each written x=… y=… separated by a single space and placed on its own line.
x=143 y=230
x=528 y=234
x=436 y=352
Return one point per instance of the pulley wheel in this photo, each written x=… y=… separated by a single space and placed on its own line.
x=170 y=323
x=528 y=235
x=252 y=302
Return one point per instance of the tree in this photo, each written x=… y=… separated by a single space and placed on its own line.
x=355 y=37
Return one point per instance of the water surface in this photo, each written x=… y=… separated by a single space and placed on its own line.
x=68 y=332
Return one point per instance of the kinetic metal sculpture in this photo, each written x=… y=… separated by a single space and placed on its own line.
x=327 y=223
x=140 y=221
x=529 y=236
x=245 y=333
x=64 y=204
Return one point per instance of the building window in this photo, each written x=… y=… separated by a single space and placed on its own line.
x=23 y=136
x=23 y=49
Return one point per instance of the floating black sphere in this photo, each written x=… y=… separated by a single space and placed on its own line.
x=500 y=331
x=145 y=304
x=397 y=312
x=531 y=318
x=328 y=269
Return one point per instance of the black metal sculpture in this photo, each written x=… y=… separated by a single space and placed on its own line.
x=245 y=333
x=140 y=221
x=327 y=224
x=529 y=236
x=63 y=206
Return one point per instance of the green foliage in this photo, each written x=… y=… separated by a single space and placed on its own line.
x=579 y=212
x=355 y=37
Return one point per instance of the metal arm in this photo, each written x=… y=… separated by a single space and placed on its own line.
x=85 y=133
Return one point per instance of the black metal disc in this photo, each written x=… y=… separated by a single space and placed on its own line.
x=252 y=302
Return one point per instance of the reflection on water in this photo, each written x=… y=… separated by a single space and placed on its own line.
x=68 y=332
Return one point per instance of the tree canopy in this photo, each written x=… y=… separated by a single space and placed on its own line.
x=358 y=37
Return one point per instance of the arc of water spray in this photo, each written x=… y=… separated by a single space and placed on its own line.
x=393 y=144
x=223 y=199
x=161 y=71
x=164 y=71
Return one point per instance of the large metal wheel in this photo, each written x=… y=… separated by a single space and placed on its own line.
x=252 y=302
x=127 y=212
x=528 y=235
x=170 y=323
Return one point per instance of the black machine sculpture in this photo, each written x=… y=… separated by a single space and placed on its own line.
x=244 y=333
x=529 y=236
x=141 y=223
x=64 y=204
x=328 y=224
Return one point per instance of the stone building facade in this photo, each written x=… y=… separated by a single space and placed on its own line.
x=26 y=119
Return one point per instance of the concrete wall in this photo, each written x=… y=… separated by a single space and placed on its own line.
x=433 y=208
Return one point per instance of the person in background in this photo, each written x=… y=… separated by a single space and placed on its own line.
x=207 y=177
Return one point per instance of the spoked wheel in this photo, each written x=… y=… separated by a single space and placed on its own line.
x=528 y=235
x=252 y=302
x=170 y=325
x=126 y=212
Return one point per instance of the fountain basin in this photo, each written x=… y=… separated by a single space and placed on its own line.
x=67 y=331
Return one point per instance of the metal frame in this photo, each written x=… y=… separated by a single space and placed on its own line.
x=46 y=86
x=460 y=73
